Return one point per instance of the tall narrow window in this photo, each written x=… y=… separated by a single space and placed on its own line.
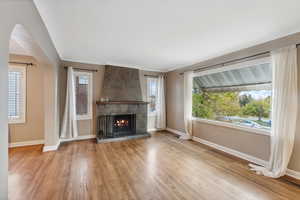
x=152 y=95
x=84 y=89
x=16 y=94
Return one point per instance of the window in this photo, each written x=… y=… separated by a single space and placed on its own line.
x=16 y=94
x=239 y=94
x=83 y=93
x=152 y=95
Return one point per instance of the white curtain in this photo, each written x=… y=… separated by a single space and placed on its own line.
x=161 y=104
x=69 y=125
x=188 y=100
x=284 y=112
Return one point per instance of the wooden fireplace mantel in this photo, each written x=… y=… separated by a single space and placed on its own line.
x=120 y=102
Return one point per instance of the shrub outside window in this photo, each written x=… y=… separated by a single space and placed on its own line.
x=240 y=95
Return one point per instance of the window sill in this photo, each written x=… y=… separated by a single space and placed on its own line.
x=233 y=126
x=16 y=122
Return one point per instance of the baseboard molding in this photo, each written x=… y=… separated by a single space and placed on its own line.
x=233 y=152
x=293 y=174
x=155 y=129
x=80 y=137
x=51 y=148
x=180 y=133
x=252 y=159
x=26 y=143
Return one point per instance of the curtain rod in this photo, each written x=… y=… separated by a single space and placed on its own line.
x=22 y=63
x=238 y=85
x=203 y=68
x=154 y=76
x=82 y=69
x=231 y=61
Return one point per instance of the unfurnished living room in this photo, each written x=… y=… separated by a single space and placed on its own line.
x=150 y=100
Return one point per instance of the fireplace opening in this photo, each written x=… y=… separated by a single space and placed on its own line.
x=117 y=125
x=123 y=124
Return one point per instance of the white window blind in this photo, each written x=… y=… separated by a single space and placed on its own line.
x=16 y=94
x=84 y=95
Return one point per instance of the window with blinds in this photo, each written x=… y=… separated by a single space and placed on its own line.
x=16 y=94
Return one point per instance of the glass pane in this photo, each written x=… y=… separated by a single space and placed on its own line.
x=14 y=88
x=152 y=94
x=82 y=87
x=245 y=108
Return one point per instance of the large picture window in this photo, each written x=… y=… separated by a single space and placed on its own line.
x=16 y=94
x=83 y=92
x=239 y=94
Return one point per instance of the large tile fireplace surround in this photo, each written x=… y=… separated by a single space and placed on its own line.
x=119 y=120
x=124 y=115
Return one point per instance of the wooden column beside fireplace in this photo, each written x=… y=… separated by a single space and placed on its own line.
x=121 y=120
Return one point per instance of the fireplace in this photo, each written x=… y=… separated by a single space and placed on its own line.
x=121 y=111
x=117 y=125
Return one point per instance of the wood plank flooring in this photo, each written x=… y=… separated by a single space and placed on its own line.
x=160 y=167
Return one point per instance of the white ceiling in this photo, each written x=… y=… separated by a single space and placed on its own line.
x=163 y=34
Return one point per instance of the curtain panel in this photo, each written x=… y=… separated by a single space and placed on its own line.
x=284 y=111
x=69 y=124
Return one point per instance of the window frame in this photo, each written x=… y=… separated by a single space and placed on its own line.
x=241 y=65
x=23 y=83
x=89 y=115
x=151 y=114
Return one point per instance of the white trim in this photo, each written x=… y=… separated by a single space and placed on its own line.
x=80 y=137
x=26 y=143
x=234 y=126
x=51 y=148
x=180 y=133
x=231 y=151
x=155 y=129
x=293 y=174
x=258 y=161
x=22 y=118
x=235 y=66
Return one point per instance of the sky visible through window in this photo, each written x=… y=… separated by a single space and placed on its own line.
x=257 y=94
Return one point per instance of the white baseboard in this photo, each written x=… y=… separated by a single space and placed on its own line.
x=26 y=143
x=292 y=173
x=51 y=148
x=233 y=152
x=180 y=133
x=155 y=129
x=80 y=137
x=258 y=161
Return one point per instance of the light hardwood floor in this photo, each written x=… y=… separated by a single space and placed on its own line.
x=160 y=167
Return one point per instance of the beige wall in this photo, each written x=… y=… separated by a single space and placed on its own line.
x=88 y=127
x=33 y=128
x=250 y=143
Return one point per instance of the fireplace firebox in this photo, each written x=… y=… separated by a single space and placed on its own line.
x=116 y=125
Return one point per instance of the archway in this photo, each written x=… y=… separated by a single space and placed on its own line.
x=32 y=78
x=24 y=12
